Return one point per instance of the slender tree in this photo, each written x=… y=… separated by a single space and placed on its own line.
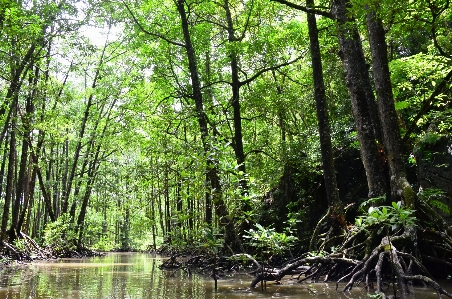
x=231 y=236
x=329 y=172
x=90 y=102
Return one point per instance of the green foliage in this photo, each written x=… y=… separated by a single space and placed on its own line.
x=392 y=217
x=436 y=198
x=60 y=235
x=374 y=296
x=205 y=239
x=376 y=201
x=414 y=79
x=424 y=142
x=104 y=244
x=211 y=241
x=20 y=244
x=267 y=241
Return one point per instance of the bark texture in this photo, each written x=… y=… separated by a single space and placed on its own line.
x=385 y=99
x=329 y=173
x=326 y=147
x=358 y=85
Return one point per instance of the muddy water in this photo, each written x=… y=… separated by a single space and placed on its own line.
x=137 y=276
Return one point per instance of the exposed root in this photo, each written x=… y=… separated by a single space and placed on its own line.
x=249 y=257
x=313 y=243
x=439 y=290
x=360 y=257
x=321 y=265
x=24 y=249
x=383 y=260
x=172 y=263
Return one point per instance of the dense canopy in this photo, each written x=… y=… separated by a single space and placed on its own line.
x=227 y=126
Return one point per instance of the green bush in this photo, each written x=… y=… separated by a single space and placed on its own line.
x=61 y=235
x=269 y=242
x=391 y=217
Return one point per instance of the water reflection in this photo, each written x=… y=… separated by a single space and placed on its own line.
x=137 y=276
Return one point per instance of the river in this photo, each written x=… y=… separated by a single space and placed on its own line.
x=137 y=276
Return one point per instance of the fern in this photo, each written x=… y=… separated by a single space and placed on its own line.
x=435 y=197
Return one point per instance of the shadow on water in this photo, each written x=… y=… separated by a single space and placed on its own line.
x=137 y=276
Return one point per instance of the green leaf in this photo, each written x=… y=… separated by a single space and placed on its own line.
x=401 y=105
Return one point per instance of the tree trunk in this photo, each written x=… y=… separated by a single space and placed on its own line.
x=335 y=209
x=329 y=172
x=88 y=189
x=235 y=102
x=23 y=178
x=64 y=174
x=190 y=209
x=9 y=177
x=20 y=187
x=231 y=237
x=357 y=81
x=159 y=201
x=386 y=108
x=28 y=198
x=154 y=219
x=179 y=201
x=2 y=167
x=44 y=191
x=167 y=202
x=17 y=79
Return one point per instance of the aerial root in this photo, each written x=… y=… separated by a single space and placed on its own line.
x=402 y=271
x=246 y=257
x=319 y=265
x=313 y=243
x=27 y=251
x=363 y=270
x=172 y=263
x=439 y=290
x=335 y=267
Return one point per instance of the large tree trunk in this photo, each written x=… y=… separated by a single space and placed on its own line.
x=358 y=86
x=388 y=115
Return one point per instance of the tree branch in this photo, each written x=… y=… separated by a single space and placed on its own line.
x=245 y=29
x=259 y=151
x=269 y=69
x=149 y=32
x=306 y=9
